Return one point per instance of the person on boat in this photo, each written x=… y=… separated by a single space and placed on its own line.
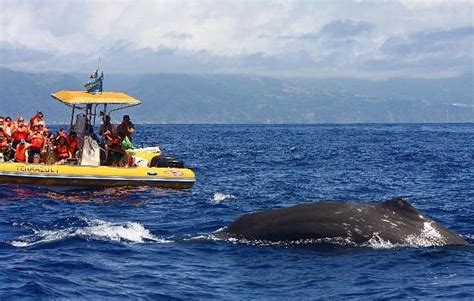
x=36 y=159
x=48 y=153
x=126 y=128
x=10 y=124
x=116 y=155
x=36 y=119
x=4 y=129
x=106 y=126
x=21 y=133
x=4 y=137
x=107 y=130
x=37 y=141
x=73 y=141
x=20 y=151
x=42 y=127
x=4 y=146
x=62 y=146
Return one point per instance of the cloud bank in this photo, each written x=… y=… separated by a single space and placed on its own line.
x=373 y=40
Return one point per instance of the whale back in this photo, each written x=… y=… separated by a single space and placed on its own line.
x=395 y=221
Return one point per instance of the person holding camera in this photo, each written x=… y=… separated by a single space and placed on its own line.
x=21 y=133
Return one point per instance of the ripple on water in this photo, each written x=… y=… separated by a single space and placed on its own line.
x=159 y=243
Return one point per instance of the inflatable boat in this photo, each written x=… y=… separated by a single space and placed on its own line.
x=95 y=176
x=88 y=168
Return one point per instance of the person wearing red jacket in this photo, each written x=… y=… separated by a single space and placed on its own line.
x=20 y=151
x=21 y=133
x=73 y=143
x=4 y=136
x=62 y=146
x=37 y=141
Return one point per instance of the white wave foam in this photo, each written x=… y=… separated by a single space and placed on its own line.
x=376 y=242
x=428 y=237
x=130 y=232
x=217 y=235
x=205 y=237
x=96 y=229
x=220 y=197
x=337 y=241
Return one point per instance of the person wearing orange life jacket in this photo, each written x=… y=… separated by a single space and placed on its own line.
x=73 y=143
x=37 y=141
x=4 y=136
x=3 y=145
x=20 y=151
x=62 y=146
x=21 y=133
x=4 y=129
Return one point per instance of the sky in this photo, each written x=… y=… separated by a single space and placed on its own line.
x=307 y=38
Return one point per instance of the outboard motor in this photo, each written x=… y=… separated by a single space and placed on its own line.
x=162 y=161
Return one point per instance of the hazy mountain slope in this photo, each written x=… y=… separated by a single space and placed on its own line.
x=449 y=90
x=24 y=94
x=178 y=98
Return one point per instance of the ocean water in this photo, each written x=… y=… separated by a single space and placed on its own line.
x=146 y=243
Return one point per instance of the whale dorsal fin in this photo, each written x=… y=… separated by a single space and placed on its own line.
x=399 y=204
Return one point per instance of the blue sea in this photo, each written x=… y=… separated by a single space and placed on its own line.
x=148 y=243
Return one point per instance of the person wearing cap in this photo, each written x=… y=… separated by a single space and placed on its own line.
x=20 y=151
x=21 y=132
x=37 y=141
x=126 y=128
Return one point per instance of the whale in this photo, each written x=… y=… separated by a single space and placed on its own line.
x=394 y=222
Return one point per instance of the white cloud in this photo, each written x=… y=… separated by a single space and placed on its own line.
x=306 y=38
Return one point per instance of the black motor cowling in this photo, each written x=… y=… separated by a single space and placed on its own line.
x=161 y=161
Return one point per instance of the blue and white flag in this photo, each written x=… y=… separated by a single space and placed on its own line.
x=95 y=83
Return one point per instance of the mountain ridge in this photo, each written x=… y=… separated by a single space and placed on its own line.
x=206 y=98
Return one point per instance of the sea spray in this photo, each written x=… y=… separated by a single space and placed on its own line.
x=219 y=197
x=95 y=229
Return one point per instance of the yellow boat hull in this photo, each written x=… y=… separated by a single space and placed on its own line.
x=100 y=176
